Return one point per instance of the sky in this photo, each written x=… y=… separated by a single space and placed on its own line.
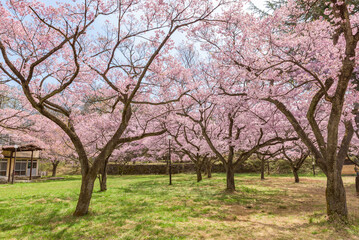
x=259 y=3
x=177 y=37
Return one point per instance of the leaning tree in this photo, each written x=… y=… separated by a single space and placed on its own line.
x=305 y=68
x=59 y=56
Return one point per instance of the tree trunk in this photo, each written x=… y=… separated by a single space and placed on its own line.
x=103 y=177
x=209 y=169
x=268 y=168
x=54 y=168
x=199 y=174
x=103 y=182
x=295 y=173
x=83 y=203
x=230 y=178
x=336 y=199
x=262 y=168
x=357 y=184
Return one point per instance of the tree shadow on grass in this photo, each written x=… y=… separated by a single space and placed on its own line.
x=273 y=201
x=52 y=224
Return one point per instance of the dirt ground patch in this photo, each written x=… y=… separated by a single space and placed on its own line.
x=297 y=211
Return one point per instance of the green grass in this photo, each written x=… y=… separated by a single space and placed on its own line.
x=146 y=207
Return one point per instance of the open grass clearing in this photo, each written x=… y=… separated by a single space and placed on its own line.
x=145 y=207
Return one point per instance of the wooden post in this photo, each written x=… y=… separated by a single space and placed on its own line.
x=9 y=177
x=356 y=169
x=13 y=171
x=32 y=159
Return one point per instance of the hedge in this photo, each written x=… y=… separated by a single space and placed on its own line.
x=139 y=169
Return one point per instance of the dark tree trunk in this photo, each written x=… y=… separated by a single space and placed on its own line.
x=268 y=168
x=103 y=177
x=54 y=168
x=199 y=174
x=295 y=173
x=357 y=184
x=103 y=182
x=230 y=178
x=83 y=203
x=336 y=199
x=262 y=168
x=209 y=169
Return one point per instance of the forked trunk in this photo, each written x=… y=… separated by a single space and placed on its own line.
x=230 y=178
x=103 y=177
x=336 y=199
x=103 y=182
x=54 y=168
x=83 y=203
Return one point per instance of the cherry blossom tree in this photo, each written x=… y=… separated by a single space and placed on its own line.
x=305 y=69
x=295 y=153
x=189 y=140
x=56 y=146
x=59 y=58
x=266 y=154
x=331 y=87
x=14 y=110
x=234 y=127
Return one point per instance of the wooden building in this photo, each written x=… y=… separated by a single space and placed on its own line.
x=19 y=161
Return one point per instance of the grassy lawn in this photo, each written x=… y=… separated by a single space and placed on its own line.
x=145 y=207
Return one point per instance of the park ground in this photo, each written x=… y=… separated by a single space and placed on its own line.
x=146 y=207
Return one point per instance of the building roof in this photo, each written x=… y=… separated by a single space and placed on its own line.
x=21 y=148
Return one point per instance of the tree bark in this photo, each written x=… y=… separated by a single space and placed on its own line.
x=262 y=168
x=230 y=178
x=209 y=169
x=295 y=173
x=87 y=185
x=54 y=168
x=357 y=184
x=336 y=198
x=103 y=177
x=199 y=174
